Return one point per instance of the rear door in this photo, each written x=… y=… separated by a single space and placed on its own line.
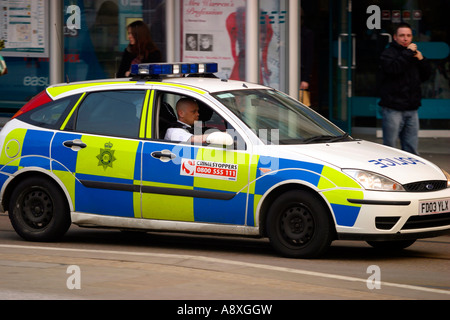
x=99 y=153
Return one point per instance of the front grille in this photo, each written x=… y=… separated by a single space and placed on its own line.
x=426 y=186
x=428 y=221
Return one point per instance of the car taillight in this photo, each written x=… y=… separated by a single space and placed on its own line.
x=38 y=100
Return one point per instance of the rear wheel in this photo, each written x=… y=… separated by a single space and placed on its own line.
x=299 y=225
x=38 y=210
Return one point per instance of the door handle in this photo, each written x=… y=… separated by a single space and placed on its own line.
x=341 y=36
x=164 y=156
x=75 y=145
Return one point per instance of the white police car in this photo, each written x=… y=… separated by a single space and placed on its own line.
x=94 y=154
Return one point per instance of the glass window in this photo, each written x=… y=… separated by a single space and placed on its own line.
x=52 y=114
x=218 y=34
x=95 y=50
x=208 y=121
x=273 y=43
x=278 y=119
x=111 y=113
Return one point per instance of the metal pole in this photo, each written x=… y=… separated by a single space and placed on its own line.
x=56 y=71
x=252 y=41
x=294 y=68
x=350 y=67
x=170 y=30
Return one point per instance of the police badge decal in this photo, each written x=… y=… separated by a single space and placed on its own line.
x=106 y=156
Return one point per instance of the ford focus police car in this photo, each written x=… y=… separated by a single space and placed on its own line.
x=95 y=154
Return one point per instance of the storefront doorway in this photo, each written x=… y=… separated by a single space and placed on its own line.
x=359 y=32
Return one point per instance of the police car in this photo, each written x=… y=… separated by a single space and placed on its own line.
x=95 y=154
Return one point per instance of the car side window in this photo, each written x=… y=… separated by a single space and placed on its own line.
x=209 y=119
x=111 y=113
x=52 y=114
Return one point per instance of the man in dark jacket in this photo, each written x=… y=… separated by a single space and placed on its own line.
x=404 y=68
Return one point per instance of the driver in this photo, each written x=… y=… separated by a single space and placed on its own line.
x=183 y=129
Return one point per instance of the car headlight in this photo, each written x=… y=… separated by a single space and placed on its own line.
x=373 y=181
x=447 y=175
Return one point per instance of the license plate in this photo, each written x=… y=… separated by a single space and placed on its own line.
x=434 y=206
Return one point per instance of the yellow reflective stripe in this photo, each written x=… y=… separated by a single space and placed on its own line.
x=58 y=90
x=13 y=146
x=157 y=206
x=142 y=127
x=68 y=179
x=331 y=178
x=340 y=196
x=150 y=113
x=178 y=86
x=253 y=172
x=72 y=111
x=107 y=157
x=137 y=204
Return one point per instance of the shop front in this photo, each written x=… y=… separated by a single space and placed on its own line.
x=360 y=31
x=343 y=38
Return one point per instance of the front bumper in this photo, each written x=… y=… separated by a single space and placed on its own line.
x=395 y=216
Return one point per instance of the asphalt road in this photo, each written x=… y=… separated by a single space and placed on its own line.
x=91 y=264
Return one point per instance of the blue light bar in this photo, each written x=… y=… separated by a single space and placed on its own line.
x=166 y=69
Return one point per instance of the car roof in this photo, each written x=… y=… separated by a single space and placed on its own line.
x=210 y=85
x=214 y=84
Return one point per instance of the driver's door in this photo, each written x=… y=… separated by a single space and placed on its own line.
x=193 y=183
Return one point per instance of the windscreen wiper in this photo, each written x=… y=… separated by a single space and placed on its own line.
x=326 y=138
x=340 y=138
x=318 y=138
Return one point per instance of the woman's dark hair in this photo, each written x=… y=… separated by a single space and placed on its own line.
x=144 y=43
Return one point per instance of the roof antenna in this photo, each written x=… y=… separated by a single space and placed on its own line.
x=67 y=78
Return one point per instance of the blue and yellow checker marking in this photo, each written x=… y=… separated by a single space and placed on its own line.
x=182 y=207
x=232 y=211
x=32 y=150
x=135 y=170
x=124 y=170
x=74 y=167
x=335 y=186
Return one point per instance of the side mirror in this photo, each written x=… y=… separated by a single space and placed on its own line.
x=220 y=138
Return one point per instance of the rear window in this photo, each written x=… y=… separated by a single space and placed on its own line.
x=50 y=115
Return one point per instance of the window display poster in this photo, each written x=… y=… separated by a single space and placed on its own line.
x=24 y=28
x=214 y=31
x=209 y=33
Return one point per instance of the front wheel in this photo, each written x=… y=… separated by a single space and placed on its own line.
x=299 y=225
x=38 y=210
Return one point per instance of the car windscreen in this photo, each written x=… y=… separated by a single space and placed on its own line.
x=278 y=119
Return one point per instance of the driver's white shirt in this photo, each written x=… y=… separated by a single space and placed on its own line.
x=178 y=134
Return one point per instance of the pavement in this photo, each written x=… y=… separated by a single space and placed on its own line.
x=436 y=150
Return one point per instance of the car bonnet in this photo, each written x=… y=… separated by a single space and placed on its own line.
x=396 y=164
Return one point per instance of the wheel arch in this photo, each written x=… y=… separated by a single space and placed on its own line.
x=270 y=197
x=25 y=174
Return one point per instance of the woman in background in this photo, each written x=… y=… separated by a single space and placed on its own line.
x=141 y=49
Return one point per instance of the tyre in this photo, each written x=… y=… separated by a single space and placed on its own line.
x=299 y=225
x=38 y=210
x=391 y=245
